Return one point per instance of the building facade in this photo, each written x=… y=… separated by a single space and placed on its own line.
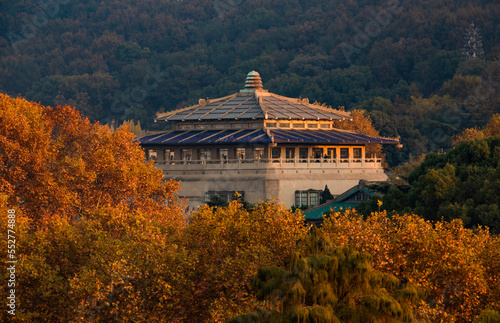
x=261 y=145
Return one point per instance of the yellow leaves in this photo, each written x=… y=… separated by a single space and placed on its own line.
x=57 y=163
x=492 y=129
x=445 y=259
x=230 y=244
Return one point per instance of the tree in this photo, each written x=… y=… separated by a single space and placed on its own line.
x=133 y=127
x=461 y=184
x=96 y=240
x=326 y=195
x=361 y=123
x=217 y=201
x=229 y=244
x=340 y=286
x=473 y=44
x=492 y=129
x=455 y=268
x=111 y=265
x=55 y=162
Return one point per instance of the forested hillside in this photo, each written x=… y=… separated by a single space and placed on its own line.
x=406 y=62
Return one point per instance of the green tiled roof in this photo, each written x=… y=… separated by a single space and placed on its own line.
x=317 y=214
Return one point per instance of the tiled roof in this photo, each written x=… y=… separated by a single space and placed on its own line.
x=327 y=136
x=252 y=103
x=193 y=137
x=317 y=214
x=260 y=136
x=251 y=106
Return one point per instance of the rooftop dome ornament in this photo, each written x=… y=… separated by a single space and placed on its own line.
x=253 y=82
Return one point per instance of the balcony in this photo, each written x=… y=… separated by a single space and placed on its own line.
x=269 y=164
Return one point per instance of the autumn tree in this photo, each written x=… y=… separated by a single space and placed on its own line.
x=229 y=245
x=492 y=129
x=361 y=123
x=133 y=127
x=455 y=268
x=110 y=266
x=97 y=228
x=54 y=161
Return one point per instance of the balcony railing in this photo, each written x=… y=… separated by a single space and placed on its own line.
x=188 y=164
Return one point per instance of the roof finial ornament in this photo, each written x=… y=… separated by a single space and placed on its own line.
x=253 y=81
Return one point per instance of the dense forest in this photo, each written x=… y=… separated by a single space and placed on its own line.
x=423 y=70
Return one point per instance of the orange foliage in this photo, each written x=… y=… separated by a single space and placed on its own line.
x=55 y=162
x=455 y=267
x=492 y=129
x=230 y=245
x=361 y=123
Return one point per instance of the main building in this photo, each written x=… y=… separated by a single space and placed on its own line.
x=262 y=145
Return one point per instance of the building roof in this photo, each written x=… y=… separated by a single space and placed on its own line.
x=317 y=213
x=261 y=136
x=253 y=103
x=342 y=201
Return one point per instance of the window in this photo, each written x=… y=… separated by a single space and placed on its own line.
x=303 y=199
x=240 y=153
x=187 y=154
x=297 y=200
x=313 y=198
x=317 y=153
x=332 y=153
x=356 y=153
x=152 y=154
x=271 y=124
x=290 y=154
x=307 y=198
x=276 y=153
x=258 y=153
x=325 y=126
x=312 y=125
x=303 y=154
x=223 y=154
x=228 y=196
x=298 y=125
x=344 y=153
x=205 y=154
x=284 y=125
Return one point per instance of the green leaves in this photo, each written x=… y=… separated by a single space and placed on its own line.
x=340 y=286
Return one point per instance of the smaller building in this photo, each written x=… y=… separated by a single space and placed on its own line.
x=347 y=200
